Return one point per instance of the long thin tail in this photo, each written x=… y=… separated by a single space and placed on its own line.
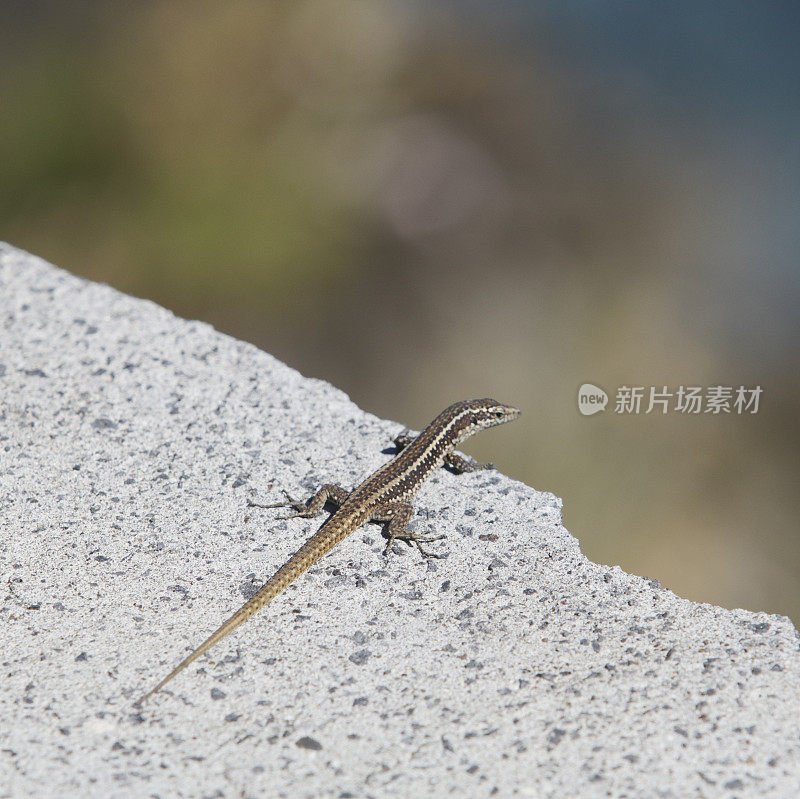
x=311 y=551
x=256 y=602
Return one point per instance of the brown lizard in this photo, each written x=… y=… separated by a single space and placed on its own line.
x=383 y=497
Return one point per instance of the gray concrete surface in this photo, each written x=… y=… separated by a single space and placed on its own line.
x=130 y=441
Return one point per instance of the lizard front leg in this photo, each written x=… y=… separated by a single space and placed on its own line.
x=453 y=462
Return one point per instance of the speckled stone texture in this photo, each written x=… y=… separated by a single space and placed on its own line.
x=130 y=441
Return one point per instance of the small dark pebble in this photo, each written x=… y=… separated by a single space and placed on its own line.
x=360 y=657
x=102 y=423
x=308 y=743
x=555 y=736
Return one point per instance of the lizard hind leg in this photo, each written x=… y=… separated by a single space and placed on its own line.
x=397 y=514
x=313 y=505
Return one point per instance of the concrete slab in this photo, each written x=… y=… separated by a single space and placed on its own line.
x=130 y=441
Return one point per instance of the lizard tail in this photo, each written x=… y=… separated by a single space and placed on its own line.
x=313 y=549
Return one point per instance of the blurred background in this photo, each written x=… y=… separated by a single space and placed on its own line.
x=427 y=202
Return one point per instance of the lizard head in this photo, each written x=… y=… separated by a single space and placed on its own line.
x=490 y=412
x=478 y=414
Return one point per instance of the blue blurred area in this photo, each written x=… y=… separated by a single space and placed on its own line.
x=737 y=62
x=718 y=79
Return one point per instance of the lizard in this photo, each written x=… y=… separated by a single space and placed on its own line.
x=382 y=497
